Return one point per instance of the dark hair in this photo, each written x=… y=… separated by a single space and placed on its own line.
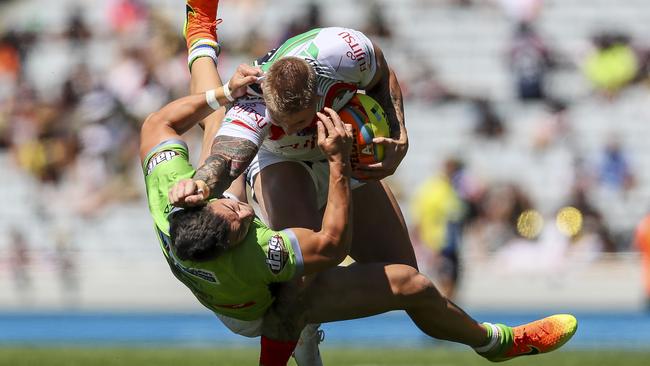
x=198 y=234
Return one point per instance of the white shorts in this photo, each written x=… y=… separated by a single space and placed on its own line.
x=319 y=172
x=247 y=328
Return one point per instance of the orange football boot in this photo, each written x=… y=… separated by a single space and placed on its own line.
x=200 y=21
x=540 y=336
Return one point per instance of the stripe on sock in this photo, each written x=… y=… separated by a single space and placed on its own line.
x=494 y=339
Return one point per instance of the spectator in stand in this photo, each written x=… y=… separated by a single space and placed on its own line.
x=554 y=128
x=107 y=141
x=438 y=212
x=9 y=73
x=77 y=31
x=126 y=16
x=376 y=24
x=642 y=241
x=19 y=261
x=530 y=60
x=420 y=81
x=65 y=260
x=643 y=74
x=312 y=19
x=496 y=224
x=521 y=10
x=615 y=172
x=9 y=59
x=488 y=123
x=594 y=235
x=612 y=64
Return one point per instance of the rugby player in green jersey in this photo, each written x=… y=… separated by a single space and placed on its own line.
x=225 y=255
x=365 y=289
x=230 y=260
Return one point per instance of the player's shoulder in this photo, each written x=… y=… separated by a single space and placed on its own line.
x=163 y=152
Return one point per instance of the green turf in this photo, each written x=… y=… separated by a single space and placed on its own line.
x=331 y=356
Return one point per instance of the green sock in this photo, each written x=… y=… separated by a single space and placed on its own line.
x=499 y=339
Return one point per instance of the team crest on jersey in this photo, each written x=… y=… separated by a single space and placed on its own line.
x=277 y=254
x=160 y=157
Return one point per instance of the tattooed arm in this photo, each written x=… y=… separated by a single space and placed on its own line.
x=228 y=159
x=385 y=89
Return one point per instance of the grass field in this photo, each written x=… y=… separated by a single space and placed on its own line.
x=331 y=356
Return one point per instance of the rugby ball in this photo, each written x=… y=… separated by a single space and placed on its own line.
x=368 y=121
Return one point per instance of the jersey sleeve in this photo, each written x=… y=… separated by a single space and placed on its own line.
x=246 y=120
x=166 y=164
x=284 y=260
x=350 y=53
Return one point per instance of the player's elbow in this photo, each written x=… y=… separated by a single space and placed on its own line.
x=334 y=248
x=150 y=123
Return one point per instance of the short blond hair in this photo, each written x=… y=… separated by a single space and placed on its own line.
x=289 y=86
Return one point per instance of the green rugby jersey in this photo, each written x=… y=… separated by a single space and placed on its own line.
x=235 y=284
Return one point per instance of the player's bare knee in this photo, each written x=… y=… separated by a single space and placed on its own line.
x=407 y=281
x=413 y=289
x=334 y=250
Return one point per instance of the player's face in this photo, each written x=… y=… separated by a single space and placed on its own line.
x=295 y=122
x=239 y=215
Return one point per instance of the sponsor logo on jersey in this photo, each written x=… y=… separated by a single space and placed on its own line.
x=202 y=274
x=255 y=119
x=277 y=254
x=356 y=52
x=160 y=157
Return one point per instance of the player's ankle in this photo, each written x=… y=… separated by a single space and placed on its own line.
x=203 y=47
x=492 y=339
x=499 y=339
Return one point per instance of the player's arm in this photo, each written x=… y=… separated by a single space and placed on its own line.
x=204 y=76
x=329 y=246
x=385 y=89
x=229 y=157
x=178 y=116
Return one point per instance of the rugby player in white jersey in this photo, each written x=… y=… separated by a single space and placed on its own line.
x=203 y=49
x=328 y=67
x=229 y=259
x=272 y=137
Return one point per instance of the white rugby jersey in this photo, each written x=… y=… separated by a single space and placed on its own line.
x=344 y=61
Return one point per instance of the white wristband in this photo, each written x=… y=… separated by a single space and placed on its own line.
x=227 y=93
x=211 y=99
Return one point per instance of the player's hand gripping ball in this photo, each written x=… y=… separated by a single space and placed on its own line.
x=368 y=121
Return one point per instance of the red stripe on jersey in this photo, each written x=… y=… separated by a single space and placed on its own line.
x=240 y=123
x=237 y=306
x=276 y=132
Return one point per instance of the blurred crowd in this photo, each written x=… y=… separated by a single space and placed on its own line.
x=79 y=137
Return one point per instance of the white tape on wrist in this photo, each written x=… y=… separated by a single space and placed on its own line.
x=211 y=99
x=227 y=93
